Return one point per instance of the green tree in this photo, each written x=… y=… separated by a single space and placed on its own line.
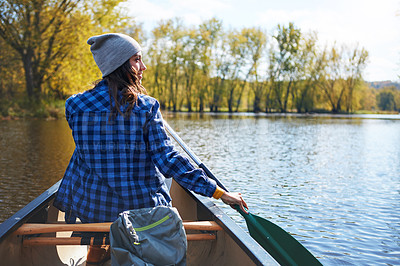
x=244 y=53
x=366 y=98
x=256 y=41
x=354 y=65
x=176 y=39
x=283 y=63
x=158 y=60
x=190 y=69
x=237 y=52
x=385 y=101
x=209 y=33
x=331 y=77
x=342 y=73
x=222 y=70
x=167 y=60
x=308 y=65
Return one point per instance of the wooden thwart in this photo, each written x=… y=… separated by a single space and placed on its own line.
x=52 y=241
x=96 y=228
x=31 y=228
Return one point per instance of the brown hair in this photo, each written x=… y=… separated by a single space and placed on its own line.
x=125 y=80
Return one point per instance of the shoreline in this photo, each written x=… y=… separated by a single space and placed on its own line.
x=56 y=114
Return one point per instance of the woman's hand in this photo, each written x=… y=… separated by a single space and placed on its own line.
x=234 y=198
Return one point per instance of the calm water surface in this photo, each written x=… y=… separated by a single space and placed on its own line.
x=332 y=182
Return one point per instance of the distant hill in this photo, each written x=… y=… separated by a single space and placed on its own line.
x=383 y=84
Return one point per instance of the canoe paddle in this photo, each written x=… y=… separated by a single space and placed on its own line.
x=283 y=247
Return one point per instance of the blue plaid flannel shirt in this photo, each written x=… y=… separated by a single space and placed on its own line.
x=120 y=163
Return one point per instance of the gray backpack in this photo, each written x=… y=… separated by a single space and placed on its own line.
x=149 y=236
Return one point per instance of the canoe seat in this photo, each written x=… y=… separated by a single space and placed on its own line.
x=98 y=233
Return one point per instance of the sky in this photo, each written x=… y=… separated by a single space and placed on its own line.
x=372 y=24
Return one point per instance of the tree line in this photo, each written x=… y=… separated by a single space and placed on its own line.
x=206 y=67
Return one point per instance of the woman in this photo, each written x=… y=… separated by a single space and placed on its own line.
x=123 y=154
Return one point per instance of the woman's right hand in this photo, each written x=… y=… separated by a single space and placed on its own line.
x=234 y=198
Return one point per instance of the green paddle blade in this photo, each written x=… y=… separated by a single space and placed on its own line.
x=284 y=248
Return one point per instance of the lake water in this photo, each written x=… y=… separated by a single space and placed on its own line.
x=333 y=182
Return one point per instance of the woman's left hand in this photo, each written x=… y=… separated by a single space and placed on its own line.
x=234 y=198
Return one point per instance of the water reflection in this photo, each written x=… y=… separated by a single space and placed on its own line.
x=332 y=182
x=34 y=155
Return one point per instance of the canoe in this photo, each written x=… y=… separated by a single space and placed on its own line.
x=220 y=242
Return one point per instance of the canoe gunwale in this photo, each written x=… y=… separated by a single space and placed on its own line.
x=243 y=239
x=27 y=212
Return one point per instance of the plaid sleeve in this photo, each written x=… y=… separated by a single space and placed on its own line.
x=169 y=161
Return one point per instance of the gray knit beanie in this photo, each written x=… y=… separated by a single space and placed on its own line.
x=111 y=50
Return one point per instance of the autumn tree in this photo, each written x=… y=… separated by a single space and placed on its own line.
x=10 y=67
x=78 y=69
x=50 y=40
x=40 y=31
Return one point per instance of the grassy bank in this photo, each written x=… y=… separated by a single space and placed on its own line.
x=377 y=112
x=44 y=109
